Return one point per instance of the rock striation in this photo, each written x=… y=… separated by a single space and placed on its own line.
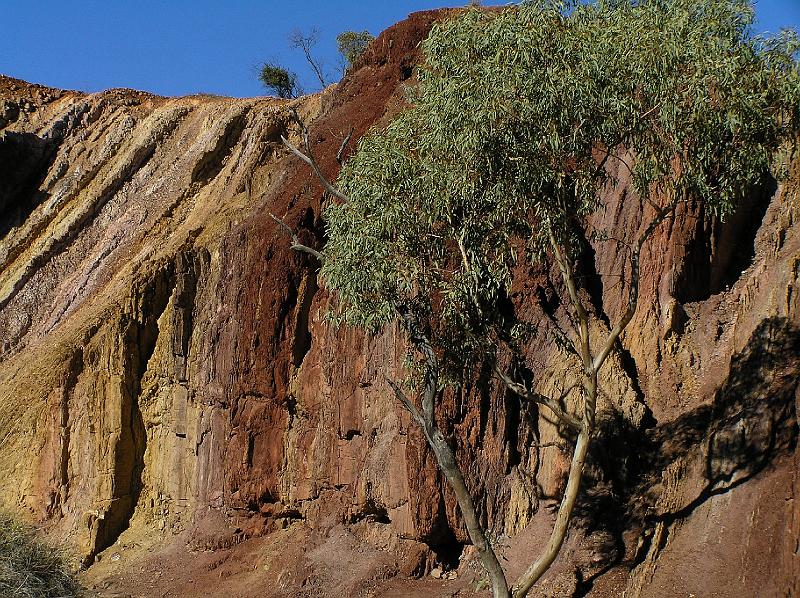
x=166 y=369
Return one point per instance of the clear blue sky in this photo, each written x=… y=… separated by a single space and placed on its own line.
x=177 y=47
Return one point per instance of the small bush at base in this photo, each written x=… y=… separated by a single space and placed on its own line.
x=31 y=568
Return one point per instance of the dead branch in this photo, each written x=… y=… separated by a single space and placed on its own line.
x=308 y=157
x=343 y=145
x=296 y=244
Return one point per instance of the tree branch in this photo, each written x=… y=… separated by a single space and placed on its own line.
x=296 y=244
x=445 y=456
x=548 y=402
x=633 y=291
x=569 y=280
x=607 y=149
x=305 y=42
x=537 y=569
x=423 y=345
x=463 y=251
x=308 y=157
x=343 y=145
x=410 y=407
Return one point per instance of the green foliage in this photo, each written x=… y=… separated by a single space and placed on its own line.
x=351 y=45
x=279 y=80
x=519 y=121
x=30 y=568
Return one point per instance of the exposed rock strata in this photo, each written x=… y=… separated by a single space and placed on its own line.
x=165 y=366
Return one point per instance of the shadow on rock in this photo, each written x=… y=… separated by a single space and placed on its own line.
x=639 y=478
x=24 y=161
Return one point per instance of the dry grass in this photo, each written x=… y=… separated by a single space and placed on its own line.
x=31 y=568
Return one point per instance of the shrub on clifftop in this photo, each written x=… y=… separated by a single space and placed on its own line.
x=351 y=45
x=279 y=80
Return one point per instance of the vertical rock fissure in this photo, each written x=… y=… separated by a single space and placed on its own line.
x=721 y=251
x=74 y=371
x=302 y=335
x=138 y=334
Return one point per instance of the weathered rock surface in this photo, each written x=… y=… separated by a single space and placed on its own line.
x=167 y=379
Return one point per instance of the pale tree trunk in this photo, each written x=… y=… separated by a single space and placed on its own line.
x=446 y=458
x=538 y=568
x=447 y=463
x=559 y=533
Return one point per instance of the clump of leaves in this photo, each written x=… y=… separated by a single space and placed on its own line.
x=30 y=567
x=278 y=80
x=351 y=45
x=519 y=122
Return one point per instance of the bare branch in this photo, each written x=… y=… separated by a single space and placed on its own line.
x=343 y=146
x=565 y=392
x=305 y=42
x=410 y=407
x=607 y=149
x=551 y=404
x=563 y=447
x=296 y=244
x=308 y=157
x=463 y=253
x=619 y=242
x=296 y=151
x=445 y=456
x=621 y=160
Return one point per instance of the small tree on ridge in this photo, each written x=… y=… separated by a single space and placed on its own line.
x=305 y=42
x=278 y=79
x=351 y=45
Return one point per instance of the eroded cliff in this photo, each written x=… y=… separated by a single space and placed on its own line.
x=168 y=382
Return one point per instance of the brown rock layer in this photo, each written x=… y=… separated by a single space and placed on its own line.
x=166 y=371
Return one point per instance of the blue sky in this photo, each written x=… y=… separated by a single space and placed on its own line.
x=177 y=47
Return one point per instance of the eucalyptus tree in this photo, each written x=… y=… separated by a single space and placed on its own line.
x=512 y=135
x=351 y=45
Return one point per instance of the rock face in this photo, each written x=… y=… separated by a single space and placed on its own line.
x=165 y=367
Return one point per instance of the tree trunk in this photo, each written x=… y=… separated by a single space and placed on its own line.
x=537 y=569
x=447 y=463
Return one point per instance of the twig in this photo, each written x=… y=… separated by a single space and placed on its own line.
x=308 y=157
x=343 y=146
x=296 y=244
